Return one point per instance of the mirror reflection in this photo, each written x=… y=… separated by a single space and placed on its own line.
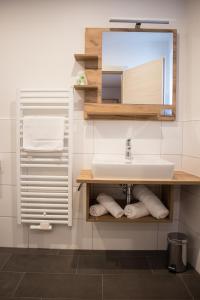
x=137 y=67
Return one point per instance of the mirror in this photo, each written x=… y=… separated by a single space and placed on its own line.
x=137 y=67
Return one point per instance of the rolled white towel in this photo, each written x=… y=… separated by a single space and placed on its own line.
x=111 y=205
x=136 y=210
x=151 y=201
x=98 y=210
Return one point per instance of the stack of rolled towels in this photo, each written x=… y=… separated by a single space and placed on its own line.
x=148 y=203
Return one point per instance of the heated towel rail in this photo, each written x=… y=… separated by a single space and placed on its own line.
x=44 y=179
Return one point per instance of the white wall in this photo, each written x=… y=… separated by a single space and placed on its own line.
x=190 y=204
x=38 y=40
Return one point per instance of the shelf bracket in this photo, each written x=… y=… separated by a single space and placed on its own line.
x=80 y=186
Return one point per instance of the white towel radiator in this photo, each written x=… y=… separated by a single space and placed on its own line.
x=44 y=179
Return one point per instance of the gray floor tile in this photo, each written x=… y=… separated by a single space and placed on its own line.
x=60 y=286
x=90 y=264
x=3 y=259
x=143 y=287
x=42 y=263
x=97 y=264
x=8 y=283
x=192 y=282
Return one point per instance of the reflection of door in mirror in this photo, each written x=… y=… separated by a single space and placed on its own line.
x=143 y=84
x=137 y=67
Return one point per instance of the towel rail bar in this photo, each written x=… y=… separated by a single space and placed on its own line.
x=45 y=205
x=47 y=211
x=51 y=183
x=48 y=216
x=44 y=165
x=38 y=221
x=44 y=194
x=44 y=188
x=45 y=107
x=44 y=177
x=46 y=200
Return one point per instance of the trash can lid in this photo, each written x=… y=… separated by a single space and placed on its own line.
x=177 y=237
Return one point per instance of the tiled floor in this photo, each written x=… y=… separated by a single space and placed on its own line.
x=74 y=275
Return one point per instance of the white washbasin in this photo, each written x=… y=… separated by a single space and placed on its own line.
x=138 y=167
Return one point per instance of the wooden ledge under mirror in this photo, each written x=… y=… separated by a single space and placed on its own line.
x=131 y=73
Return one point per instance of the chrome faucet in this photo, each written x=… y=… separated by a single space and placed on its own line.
x=128 y=153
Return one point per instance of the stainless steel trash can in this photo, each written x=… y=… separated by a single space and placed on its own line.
x=177 y=252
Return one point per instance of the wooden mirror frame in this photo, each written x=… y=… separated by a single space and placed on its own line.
x=93 y=106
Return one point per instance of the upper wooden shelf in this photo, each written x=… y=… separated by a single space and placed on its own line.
x=85 y=87
x=179 y=178
x=91 y=60
x=126 y=111
x=85 y=57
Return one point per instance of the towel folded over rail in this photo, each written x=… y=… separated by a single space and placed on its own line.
x=111 y=205
x=98 y=210
x=43 y=133
x=151 y=201
x=136 y=210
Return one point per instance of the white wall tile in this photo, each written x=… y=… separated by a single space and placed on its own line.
x=189 y=212
x=8 y=168
x=110 y=136
x=83 y=136
x=12 y=234
x=79 y=236
x=171 y=138
x=176 y=159
x=8 y=202
x=7 y=135
x=79 y=203
x=176 y=204
x=146 y=137
x=163 y=230
x=191 y=138
x=80 y=161
x=124 y=236
x=191 y=165
x=78 y=115
x=193 y=246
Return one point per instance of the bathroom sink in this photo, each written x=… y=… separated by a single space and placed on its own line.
x=138 y=167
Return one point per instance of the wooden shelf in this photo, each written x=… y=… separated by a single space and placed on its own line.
x=164 y=192
x=86 y=57
x=179 y=178
x=125 y=111
x=124 y=219
x=91 y=60
x=85 y=87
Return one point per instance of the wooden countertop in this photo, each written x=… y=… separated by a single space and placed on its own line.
x=179 y=178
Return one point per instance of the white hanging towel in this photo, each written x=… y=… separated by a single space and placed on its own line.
x=43 y=133
x=153 y=204
x=136 y=210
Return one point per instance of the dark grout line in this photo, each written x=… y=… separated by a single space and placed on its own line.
x=77 y=264
x=18 y=284
x=49 y=273
x=102 y=287
x=3 y=265
x=187 y=288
